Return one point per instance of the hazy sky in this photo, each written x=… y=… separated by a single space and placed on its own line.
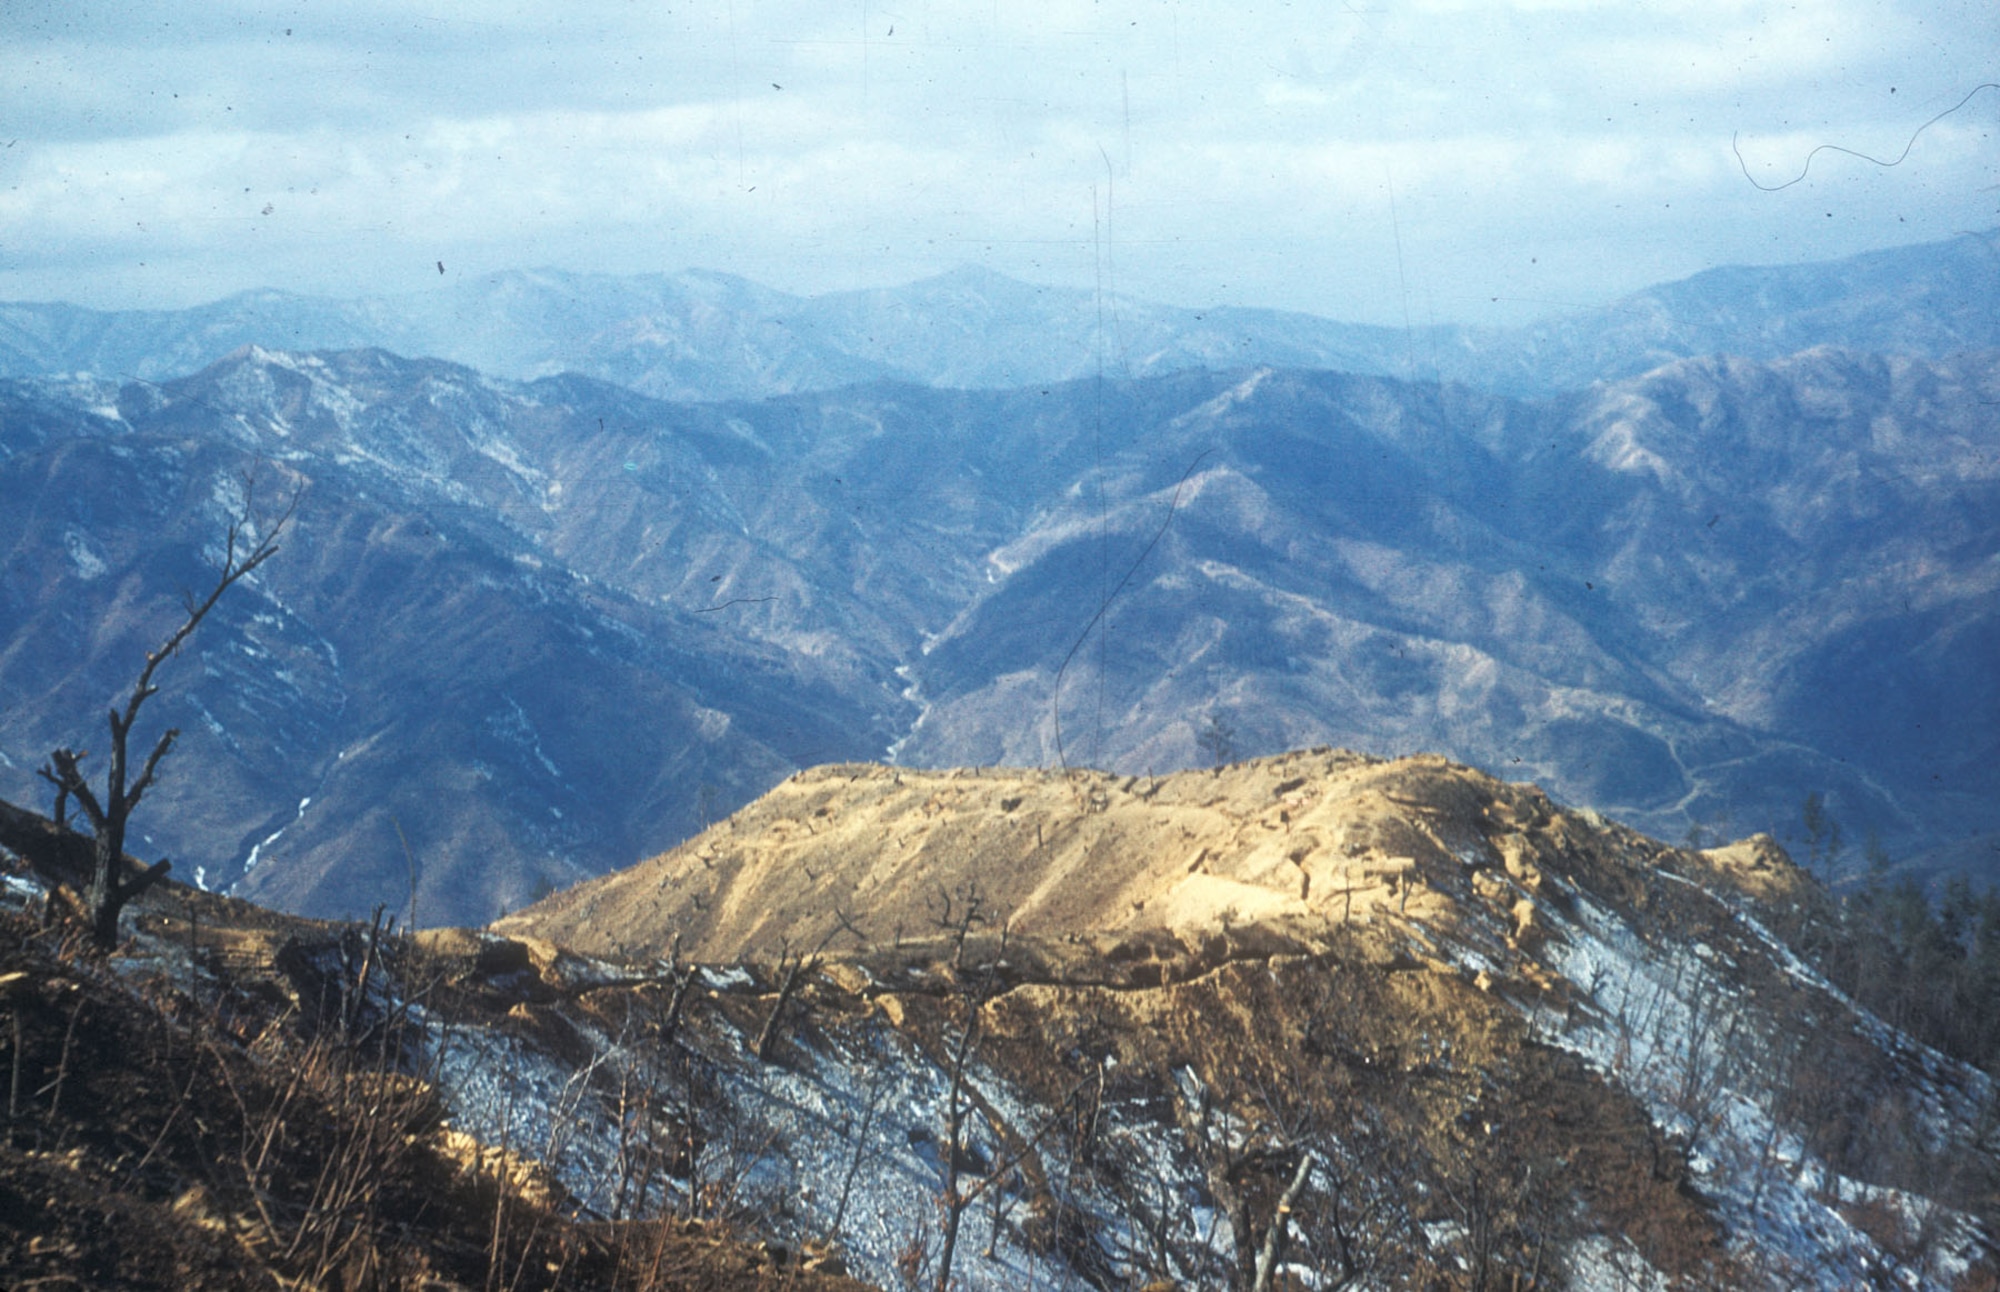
x=1380 y=160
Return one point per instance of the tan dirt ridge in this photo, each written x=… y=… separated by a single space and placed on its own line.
x=1304 y=841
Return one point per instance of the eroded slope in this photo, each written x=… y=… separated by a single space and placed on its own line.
x=1496 y=1032
x=1306 y=841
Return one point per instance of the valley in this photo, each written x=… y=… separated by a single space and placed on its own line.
x=1110 y=647
x=543 y=629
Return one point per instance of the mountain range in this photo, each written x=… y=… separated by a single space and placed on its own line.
x=523 y=632
x=700 y=335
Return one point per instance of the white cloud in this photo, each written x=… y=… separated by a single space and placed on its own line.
x=810 y=147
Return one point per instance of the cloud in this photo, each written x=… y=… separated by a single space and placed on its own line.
x=1259 y=153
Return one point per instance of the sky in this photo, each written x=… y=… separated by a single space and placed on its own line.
x=1387 y=161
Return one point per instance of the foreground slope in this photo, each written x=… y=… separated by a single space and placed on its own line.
x=1499 y=1035
x=1316 y=1020
x=243 y=1100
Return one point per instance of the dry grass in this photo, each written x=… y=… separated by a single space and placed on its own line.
x=240 y=1137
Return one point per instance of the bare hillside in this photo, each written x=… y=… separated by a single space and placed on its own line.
x=1304 y=842
x=1314 y=1020
x=1505 y=1035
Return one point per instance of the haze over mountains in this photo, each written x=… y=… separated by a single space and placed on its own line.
x=525 y=631
x=702 y=335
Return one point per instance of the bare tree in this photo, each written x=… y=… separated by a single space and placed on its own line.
x=958 y=916
x=1015 y=1156
x=1215 y=740
x=1303 y=1176
x=1823 y=838
x=110 y=885
x=793 y=968
x=1243 y=1162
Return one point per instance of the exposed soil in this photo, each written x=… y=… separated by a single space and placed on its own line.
x=1191 y=986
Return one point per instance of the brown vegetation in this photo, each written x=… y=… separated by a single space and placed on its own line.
x=1295 y=1019
x=1273 y=958
x=266 y=1123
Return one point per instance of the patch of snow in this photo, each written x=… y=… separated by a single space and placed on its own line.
x=508 y=457
x=912 y=692
x=1964 y=1092
x=250 y=862
x=847 y=1128
x=87 y=563
x=1664 y=1025
x=514 y=727
x=1599 y=1261
x=510 y=1095
x=214 y=725
x=19 y=891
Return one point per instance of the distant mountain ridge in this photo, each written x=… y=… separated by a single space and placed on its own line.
x=539 y=629
x=698 y=335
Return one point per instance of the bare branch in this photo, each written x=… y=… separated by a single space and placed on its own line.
x=958 y=913
x=844 y=922
x=145 y=781
x=144 y=880
x=234 y=569
x=109 y=890
x=61 y=812
x=795 y=966
x=1267 y=1258
x=69 y=777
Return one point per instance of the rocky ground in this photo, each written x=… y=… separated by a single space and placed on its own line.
x=1320 y=1020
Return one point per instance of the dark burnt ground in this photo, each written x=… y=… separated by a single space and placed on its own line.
x=156 y=1140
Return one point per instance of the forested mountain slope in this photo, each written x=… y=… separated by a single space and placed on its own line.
x=543 y=628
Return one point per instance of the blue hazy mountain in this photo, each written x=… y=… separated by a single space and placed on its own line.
x=695 y=335
x=543 y=628
x=415 y=669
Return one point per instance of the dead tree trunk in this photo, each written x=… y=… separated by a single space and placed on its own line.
x=958 y=915
x=793 y=967
x=953 y=1201
x=109 y=886
x=1274 y=1233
